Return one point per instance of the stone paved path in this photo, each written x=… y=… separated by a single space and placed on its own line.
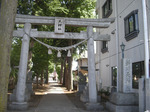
x=56 y=100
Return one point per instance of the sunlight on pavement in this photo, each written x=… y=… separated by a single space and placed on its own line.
x=56 y=88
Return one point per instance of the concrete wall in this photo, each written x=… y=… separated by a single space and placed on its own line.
x=83 y=62
x=108 y=59
x=134 y=48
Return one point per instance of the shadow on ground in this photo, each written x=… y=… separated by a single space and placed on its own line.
x=76 y=100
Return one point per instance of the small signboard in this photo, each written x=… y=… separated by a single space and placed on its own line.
x=59 y=25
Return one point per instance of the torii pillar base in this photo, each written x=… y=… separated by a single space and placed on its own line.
x=19 y=106
x=94 y=106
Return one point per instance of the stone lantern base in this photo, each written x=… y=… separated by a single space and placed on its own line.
x=123 y=102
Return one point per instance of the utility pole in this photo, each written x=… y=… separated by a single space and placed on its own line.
x=146 y=45
x=146 y=49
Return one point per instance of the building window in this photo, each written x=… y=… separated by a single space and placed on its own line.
x=131 y=25
x=114 y=76
x=107 y=9
x=137 y=72
x=104 y=47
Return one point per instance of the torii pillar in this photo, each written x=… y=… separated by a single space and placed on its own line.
x=92 y=104
x=20 y=103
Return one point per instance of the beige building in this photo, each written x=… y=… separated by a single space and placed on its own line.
x=131 y=28
x=127 y=29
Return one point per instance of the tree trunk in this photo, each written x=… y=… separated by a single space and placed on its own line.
x=66 y=73
x=37 y=81
x=47 y=76
x=61 y=73
x=42 y=79
x=64 y=76
x=70 y=77
x=7 y=17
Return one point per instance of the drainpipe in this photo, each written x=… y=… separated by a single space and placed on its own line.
x=146 y=46
x=117 y=42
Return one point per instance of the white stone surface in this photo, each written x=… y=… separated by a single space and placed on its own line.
x=141 y=95
x=123 y=102
x=59 y=25
x=21 y=83
x=91 y=67
x=99 y=23
x=147 y=90
x=127 y=76
x=68 y=35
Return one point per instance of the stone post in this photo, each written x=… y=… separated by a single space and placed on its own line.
x=126 y=76
x=141 y=95
x=91 y=67
x=20 y=103
x=92 y=105
x=147 y=90
x=21 y=84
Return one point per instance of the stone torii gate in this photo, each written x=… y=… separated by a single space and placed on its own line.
x=59 y=33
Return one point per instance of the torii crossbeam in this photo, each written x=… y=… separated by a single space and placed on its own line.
x=40 y=20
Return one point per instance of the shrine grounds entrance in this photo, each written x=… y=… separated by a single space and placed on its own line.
x=59 y=33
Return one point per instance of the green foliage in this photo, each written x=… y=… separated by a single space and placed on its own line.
x=51 y=67
x=25 y=6
x=104 y=91
x=64 y=8
x=58 y=70
x=15 y=52
x=14 y=60
x=40 y=58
